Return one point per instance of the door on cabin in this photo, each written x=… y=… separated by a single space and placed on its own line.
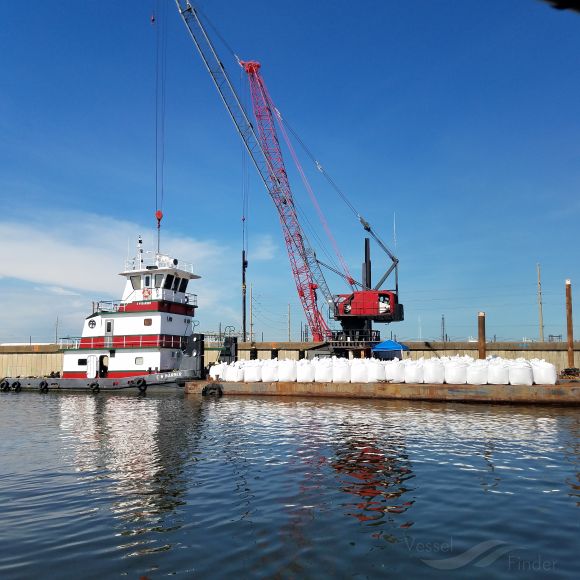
x=109 y=333
x=92 y=366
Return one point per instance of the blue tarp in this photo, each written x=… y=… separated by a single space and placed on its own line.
x=389 y=345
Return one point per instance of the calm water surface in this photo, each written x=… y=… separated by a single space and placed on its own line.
x=114 y=486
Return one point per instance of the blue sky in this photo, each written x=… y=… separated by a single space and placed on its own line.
x=461 y=117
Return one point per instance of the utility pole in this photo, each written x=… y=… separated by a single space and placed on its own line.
x=540 y=310
x=443 y=328
x=289 y=339
x=569 y=324
x=56 y=331
x=251 y=316
x=244 y=266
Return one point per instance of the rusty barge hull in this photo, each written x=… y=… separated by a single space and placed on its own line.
x=560 y=394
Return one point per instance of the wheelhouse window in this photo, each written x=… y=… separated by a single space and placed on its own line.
x=168 y=282
x=158 y=280
x=136 y=282
x=147 y=281
x=183 y=285
x=176 y=284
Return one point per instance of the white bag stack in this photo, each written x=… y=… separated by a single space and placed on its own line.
x=358 y=371
x=497 y=371
x=287 y=371
x=456 y=371
x=544 y=372
x=520 y=373
x=323 y=370
x=375 y=371
x=433 y=371
x=304 y=371
x=340 y=370
x=477 y=372
x=252 y=372
x=414 y=371
x=270 y=371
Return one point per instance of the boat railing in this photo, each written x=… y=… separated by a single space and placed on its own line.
x=113 y=342
x=155 y=294
x=153 y=260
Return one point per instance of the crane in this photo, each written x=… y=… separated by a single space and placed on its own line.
x=356 y=310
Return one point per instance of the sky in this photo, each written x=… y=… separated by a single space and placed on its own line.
x=460 y=118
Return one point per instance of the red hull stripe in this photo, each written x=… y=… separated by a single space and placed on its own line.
x=158 y=306
x=110 y=375
x=133 y=341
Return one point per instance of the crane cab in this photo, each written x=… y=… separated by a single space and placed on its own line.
x=376 y=305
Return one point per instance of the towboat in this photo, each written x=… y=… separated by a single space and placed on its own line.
x=144 y=339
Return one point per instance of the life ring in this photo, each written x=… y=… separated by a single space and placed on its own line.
x=43 y=387
x=94 y=387
x=146 y=293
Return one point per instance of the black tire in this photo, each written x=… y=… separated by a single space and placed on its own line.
x=16 y=385
x=43 y=387
x=212 y=391
x=18 y=388
x=94 y=387
x=4 y=386
x=141 y=384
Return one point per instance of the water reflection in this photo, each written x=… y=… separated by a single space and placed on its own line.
x=138 y=451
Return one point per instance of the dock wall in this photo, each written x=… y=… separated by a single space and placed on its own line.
x=30 y=360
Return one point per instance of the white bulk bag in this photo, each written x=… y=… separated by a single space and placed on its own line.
x=498 y=372
x=323 y=370
x=234 y=373
x=358 y=371
x=520 y=373
x=304 y=371
x=340 y=371
x=252 y=372
x=375 y=371
x=287 y=370
x=544 y=373
x=395 y=371
x=455 y=372
x=270 y=371
x=217 y=371
x=477 y=372
x=433 y=371
x=413 y=371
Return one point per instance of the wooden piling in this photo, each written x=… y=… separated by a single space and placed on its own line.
x=481 y=335
x=569 y=324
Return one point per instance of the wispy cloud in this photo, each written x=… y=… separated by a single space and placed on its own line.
x=263 y=248
x=58 y=264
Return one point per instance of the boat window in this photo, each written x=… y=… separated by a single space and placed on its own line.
x=148 y=321
x=183 y=285
x=168 y=282
x=147 y=280
x=109 y=326
x=138 y=360
x=176 y=283
x=158 y=280
x=136 y=282
x=82 y=362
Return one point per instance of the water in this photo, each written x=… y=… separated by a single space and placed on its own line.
x=113 y=486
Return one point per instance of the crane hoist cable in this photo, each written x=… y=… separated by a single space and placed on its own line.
x=159 y=21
